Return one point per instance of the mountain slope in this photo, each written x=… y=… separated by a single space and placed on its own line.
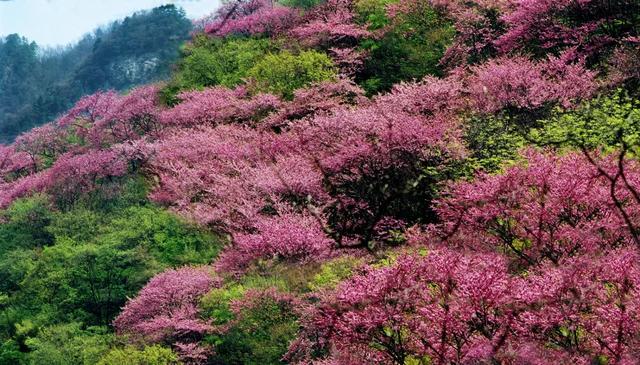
x=136 y=50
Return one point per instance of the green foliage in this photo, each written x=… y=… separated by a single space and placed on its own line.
x=80 y=265
x=79 y=224
x=116 y=195
x=232 y=61
x=169 y=239
x=411 y=49
x=303 y=4
x=373 y=12
x=158 y=32
x=69 y=344
x=333 y=272
x=261 y=330
x=91 y=279
x=260 y=335
x=492 y=141
x=282 y=73
x=18 y=82
x=25 y=223
x=607 y=122
x=213 y=61
x=217 y=303
x=10 y=353
x=150 y=355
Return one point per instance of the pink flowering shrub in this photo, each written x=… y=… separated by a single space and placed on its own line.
x=624 y=64
x=43 y=144
x=535 y=265
x=451 y=307
x=202 y=174
x=70 y=176
x=521 y=84
x=24 y=186
x=219 y=106
x=89 y=109
x=76 y=174
x=133 y=115
x=446 y=306
x=348 y=168
x=286 y=237
x=330 y=24
x=368 y=158
x=574 y=29
x=72 y=156
x=106 y=118
x=478 y=24
x=166 y=311
x=252 y=17
x=320 y=99
x=583 y=309
x=333 y=26
x=441 y=98
x=14 y=163
x=550 y=208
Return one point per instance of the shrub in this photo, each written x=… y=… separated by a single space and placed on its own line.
x=168 y=238
x=69 y=344
x=492 y=142
x=213 y=61
x=283 y=73
x=149 y=355
x=265 y=322
x=607 y=123
x=25 y=223
x=414 y=41
x=166 y=312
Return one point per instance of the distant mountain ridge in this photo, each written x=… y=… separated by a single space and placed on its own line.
x=38 y=84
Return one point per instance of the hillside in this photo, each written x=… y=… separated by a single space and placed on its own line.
x=341 y=182
x=36 y=85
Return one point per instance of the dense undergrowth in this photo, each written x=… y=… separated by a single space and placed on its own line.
x=342 y=182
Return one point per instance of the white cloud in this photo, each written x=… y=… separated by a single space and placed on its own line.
x=59 y=22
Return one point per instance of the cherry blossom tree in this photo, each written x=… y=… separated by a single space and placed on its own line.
x=43 y=144
x=569 y=29
x=522 y=84
x=219 y=105
x=166 y=311
x=351 y=169
x=553 y=207
x=330 y=24
x=252 y=17
x=447 y=306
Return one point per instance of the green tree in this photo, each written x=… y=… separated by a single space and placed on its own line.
x=25 y=223
x=213 y=61
x=492 y=141
x=260 y=332
x=69 y=344
x=150 y=355
x=410 y=49
x=282 y=73
x=607 y=122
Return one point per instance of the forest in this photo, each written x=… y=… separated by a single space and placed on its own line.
x=339 y=182
x=37 y=84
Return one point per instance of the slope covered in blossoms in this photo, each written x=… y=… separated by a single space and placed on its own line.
x=342 y=182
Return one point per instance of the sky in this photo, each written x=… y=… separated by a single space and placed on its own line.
x=60 y=22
